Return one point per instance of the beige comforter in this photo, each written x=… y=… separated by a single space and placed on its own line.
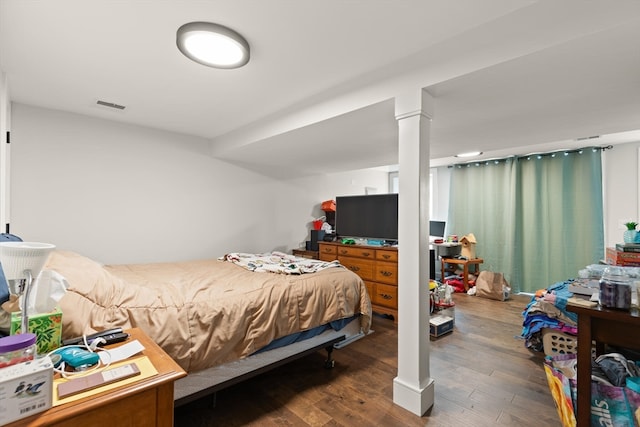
x=204 y=313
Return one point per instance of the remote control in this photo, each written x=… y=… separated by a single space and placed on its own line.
x=110 y=339
x=80 y=340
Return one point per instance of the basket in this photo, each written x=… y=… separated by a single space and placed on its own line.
x=556 y=342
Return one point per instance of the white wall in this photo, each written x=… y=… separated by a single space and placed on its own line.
x=620 y=170
x=441 y=180
x=310 y=192
x=120 y=193
x=123 y=193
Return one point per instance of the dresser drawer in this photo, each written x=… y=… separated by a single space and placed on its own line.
x=356 y=251
x=391 y=256
x=327 y=257
x=362 y=267
x=386 y=295
x=327 y=252
x=371 y=289
x=386 y=272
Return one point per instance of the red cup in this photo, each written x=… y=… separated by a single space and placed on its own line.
x=317 y=225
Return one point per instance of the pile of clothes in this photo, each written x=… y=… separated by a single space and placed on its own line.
x=547 y=309
x=614 y=369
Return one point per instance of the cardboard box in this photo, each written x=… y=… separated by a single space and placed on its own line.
x=25 y=389
x=47 y=327
x=440 y=325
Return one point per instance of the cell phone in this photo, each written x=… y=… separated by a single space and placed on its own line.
x=78 y=357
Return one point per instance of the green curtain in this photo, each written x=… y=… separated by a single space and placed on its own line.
x=538 y=219
x=482 y=202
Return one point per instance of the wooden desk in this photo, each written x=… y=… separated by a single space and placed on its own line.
x=465 y=263
x=148 y=402
x=604 y=326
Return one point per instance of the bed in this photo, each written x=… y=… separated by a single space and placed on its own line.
x=216 y=317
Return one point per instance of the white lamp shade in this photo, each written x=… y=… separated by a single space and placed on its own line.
x=16 y=257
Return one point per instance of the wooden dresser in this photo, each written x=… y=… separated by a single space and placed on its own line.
x=376 y=265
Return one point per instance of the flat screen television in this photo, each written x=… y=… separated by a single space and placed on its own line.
x=436 y=228
x=372 y=216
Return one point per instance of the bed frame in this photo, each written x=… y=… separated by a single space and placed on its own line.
x=209 y=381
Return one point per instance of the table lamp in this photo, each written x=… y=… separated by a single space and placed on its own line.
x=21 y=263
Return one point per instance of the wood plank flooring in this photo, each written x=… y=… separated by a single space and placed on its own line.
x=484 y=376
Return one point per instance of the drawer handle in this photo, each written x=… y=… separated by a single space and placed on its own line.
x=385 y=296
x=386 y=273
x=366 y=253
x=386 y=256
x=343 y=252
x=354 y=268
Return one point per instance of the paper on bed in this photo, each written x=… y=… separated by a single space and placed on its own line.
x=277 y=262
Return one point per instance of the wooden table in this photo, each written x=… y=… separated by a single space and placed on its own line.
x=604 y=326
x=465 y=263
x=148 y=402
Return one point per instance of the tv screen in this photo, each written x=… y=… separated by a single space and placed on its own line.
x=373 y=216
x=436 y=228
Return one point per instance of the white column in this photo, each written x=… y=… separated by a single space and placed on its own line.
x=413 y=388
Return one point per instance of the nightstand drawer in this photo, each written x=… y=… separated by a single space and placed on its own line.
x=305 y=254
x=362 y=267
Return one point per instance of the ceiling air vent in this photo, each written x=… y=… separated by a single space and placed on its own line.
x=588 y=137
x=111 y=105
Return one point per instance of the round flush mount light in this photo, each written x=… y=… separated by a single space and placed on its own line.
x=212 y=45
x=469 y=154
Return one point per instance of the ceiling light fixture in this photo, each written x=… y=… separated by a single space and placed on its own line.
x=469 y=154
x=212 y=45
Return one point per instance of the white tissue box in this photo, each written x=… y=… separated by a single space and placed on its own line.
x=46 y=326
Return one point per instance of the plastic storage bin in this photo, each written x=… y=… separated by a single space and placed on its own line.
x=556 y=342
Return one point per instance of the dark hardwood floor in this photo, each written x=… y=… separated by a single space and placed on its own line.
x=484 y=376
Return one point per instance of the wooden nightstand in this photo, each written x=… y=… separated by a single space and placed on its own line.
x=305 y=254
x=148 y=402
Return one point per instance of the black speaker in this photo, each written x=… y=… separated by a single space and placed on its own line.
x=316 y=236
x=330 y=237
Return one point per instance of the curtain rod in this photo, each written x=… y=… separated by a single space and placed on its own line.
x=522 y=156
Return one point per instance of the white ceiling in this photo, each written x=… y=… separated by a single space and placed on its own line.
x=507 y=76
